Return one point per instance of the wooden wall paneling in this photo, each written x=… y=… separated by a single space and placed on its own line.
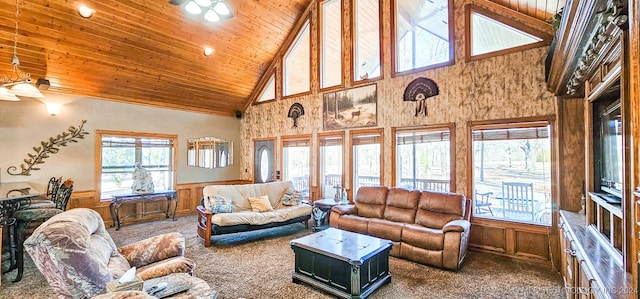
x=531 y=244
x=488 y=238
x=634 y=95
x=572 y=155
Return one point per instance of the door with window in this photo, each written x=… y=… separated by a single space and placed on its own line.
x=330 y=162
x=296 y=151
x=366 y=154
x=263 y=163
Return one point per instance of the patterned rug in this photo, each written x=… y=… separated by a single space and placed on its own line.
x=259 y=265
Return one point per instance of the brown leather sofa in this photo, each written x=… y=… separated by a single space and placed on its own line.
x=428 y=227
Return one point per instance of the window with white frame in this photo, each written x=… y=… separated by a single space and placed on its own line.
x=366 y=49
x=422 y=34
x=330 y=43
x=120 y=151
x=423 y=159
x=297 y=64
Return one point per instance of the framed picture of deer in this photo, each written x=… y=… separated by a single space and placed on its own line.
x=350 y=108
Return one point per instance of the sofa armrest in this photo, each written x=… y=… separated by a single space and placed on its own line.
x=345 y=209
x=154 y=249
x=456 y=226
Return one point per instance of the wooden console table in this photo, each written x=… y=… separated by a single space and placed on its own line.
x=126 y=199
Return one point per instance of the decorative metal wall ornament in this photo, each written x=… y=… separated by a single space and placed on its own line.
x=48 y=147
x=418 y=91
x=296 y=110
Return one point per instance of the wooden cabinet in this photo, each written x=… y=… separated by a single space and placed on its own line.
x=588 y=269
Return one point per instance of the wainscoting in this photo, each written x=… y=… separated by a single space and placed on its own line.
x=524 y=241
x=188 y=198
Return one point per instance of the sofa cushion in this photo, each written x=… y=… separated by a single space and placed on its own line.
x=371 y=201
x=218 y=204
x=401 y=205
x=291 y=197
x=385 y=229
x=257 y=218
x=354 y=223
x=423 y=237
x=436 y=209
x=239 y=194
x=260 y=203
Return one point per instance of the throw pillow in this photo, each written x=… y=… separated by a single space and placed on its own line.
x=218 y=204
x=260 y=204
x=291 y=197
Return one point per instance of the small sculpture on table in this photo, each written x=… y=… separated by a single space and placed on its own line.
x=142 y=181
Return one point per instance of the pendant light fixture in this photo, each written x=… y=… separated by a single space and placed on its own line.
x=18 y=83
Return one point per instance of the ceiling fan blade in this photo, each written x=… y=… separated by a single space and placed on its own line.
x=177 y=2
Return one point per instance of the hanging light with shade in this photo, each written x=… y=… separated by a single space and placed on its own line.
x=18 y=83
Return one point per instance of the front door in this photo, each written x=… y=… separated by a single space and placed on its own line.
x=263 y=161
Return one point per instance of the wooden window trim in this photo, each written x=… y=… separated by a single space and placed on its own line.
x=352 y=135
x=437 y=127
x=98 y=155
x=319 y=137
x=507 y=124
x=264 y=85
x=353 y=44
x=452 y=41
x=307 y=21
x=285 y=139
x=320 y=45
x=469 y=8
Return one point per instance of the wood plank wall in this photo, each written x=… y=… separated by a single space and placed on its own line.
x=189 y=195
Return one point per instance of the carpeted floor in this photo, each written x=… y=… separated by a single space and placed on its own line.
x=259 y=265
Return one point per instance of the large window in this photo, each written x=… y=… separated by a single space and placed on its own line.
x=512 y=171
x=120 y=151
x=296 y=162
x=366 y=152
x=330 y=164
x=366 y=49
x=423 y=159
x=297 y=64
x=330 y=43
x=423 y=34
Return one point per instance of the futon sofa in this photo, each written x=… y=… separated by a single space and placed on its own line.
x=428 y=227
x=243 y=216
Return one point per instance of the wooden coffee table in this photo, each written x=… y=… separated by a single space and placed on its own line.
x=345 y=264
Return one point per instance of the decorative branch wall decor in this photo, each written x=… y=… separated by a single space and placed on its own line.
x=48 y=147
x=419 y=90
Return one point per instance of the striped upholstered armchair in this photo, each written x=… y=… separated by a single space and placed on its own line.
x=77 y=256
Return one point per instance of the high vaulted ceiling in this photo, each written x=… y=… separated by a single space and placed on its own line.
x=151 y=52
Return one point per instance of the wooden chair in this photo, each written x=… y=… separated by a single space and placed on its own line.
x=518 y=199
x=482 y=203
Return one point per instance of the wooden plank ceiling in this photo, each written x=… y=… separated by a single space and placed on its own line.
x=151 y=52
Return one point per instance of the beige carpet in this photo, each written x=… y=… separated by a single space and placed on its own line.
x=259 y=265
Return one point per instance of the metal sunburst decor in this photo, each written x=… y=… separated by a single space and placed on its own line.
x=418 y=91
x=296 y=110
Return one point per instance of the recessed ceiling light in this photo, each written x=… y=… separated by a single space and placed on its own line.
x=85 y=11
x=208 y=51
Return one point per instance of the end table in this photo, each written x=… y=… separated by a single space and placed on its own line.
x=321 y=212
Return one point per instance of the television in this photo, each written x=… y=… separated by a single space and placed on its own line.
x=611 y=148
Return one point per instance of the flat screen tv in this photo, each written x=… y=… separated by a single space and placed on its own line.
x=611 y=148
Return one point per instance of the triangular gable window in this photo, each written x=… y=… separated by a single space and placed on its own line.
x=491 y=37
x=269 y=91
